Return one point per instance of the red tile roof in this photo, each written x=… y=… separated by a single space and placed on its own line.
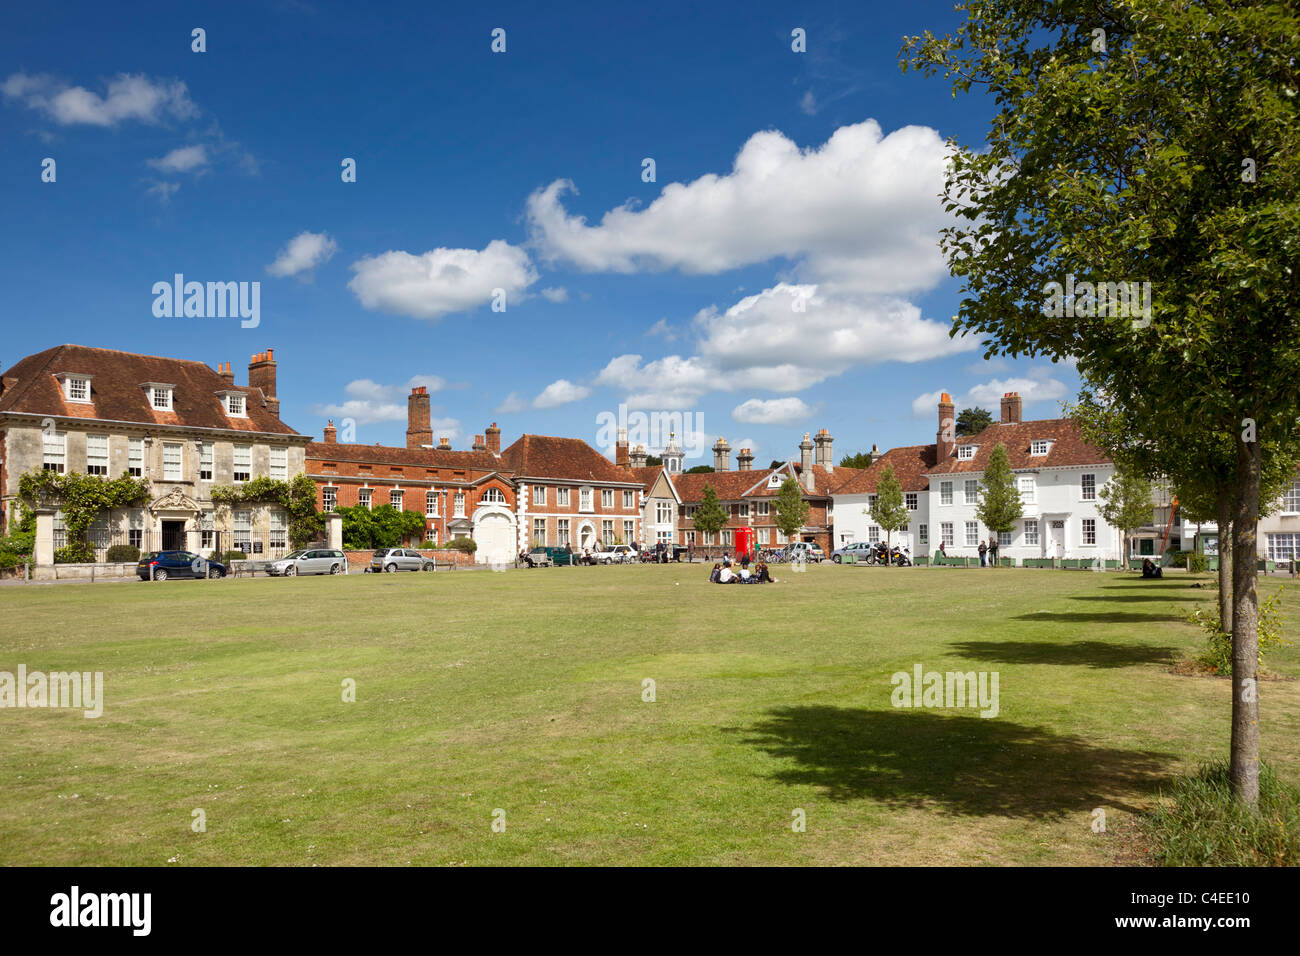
x=910 y=463
x=117 y=394
x=480 y=461
x=737 y=485
x=572 y=459
x=1068 y=447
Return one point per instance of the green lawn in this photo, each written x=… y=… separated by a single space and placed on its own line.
x=523 y=691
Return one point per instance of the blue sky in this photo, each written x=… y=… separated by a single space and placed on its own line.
x=780 y=274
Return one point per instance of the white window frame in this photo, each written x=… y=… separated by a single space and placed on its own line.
x=458 y=505
x=206 y=454
x=1040 y=447
x=75 y=384
x=561 y=497
x=539 y=495
x=912 y=500
x=173 y=453
x=364 y=497
x=1087 y=531
x=241 y=463
x=972 y=534
x=395 y=497
x=165 y=393
x=1291 y=498
x=1031 y=531
x=971 y=491
x=629 y=499
x=54 y=452
x=946 y=534
x=966 y=452
x=607 y=497
x=1027 y=488
x=923 y=534
x=329 y=497
x=586 y=500
x=279 y=463
x=945 y=492
x=97 y=454
x=135 y=457
x=431 y=504
x=236 y=406
x=1088 y=487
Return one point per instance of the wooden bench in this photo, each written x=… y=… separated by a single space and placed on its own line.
x=439 y=564
x=240 y=568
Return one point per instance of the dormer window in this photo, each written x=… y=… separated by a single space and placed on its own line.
x=775 y=480
x=76 y=388
x=160 y=395
x=966 y=452
x=234 y=404
x=1040 y=446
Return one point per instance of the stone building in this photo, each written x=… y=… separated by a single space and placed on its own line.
x=180 y=425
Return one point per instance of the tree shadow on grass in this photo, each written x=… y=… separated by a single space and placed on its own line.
x=1109 y=599
x=1099 y=654
x=963 y=765
x=1097 y=617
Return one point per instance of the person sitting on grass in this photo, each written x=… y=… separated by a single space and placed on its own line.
x=727 y=576
x=762 y=575
x=1151 y=570
x=713 y=575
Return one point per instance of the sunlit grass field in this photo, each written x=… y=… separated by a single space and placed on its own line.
x=518 y=697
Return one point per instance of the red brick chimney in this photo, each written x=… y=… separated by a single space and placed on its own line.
x=261 y=374
x=226 y=374
x=480 y=443
x=622 y=452
x=946 y=439
x=444 y=443
x=494 y=439
x=331 y=433
x=419 y=427
x=1011 y=408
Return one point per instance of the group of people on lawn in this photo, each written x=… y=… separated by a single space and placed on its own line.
x=988 y=552
x=724 y=574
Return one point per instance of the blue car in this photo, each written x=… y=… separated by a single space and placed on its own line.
x=177 y=564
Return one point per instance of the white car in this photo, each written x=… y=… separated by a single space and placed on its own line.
x=614 y=554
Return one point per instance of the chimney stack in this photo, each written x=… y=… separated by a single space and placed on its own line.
x=226 y=374
x=875 y=453
x=946 y=439
x=444 y=443
x=480 y=443
x=1011 y=408
x=419 y=429
x=638 y=456
x=825 y=457
x=806 y=461
x=622 y=456
x=494 y=439
x=745 y=460
x=721 y=455
x=261 y=374
x=331 y=433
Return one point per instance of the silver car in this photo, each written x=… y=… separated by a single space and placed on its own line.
x=854 y=549
x=309 y=561
x=400 y=559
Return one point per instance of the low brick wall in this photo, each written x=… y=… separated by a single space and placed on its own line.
x=358 y=561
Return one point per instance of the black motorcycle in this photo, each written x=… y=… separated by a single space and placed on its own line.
x=901 y=557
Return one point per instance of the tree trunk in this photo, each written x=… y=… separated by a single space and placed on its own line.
x=1226 y=563
x=1244 y=766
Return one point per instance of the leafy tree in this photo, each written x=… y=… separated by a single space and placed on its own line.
x=1125 y=503
x=653 y=461
x=1149 y=152
x=776 y=463
x=700 y=470
x=888 y=510
x=710 y=516
x=999 y=506
x=861 y=460
x=791 y=510
x=382 y=527
x=972 y=421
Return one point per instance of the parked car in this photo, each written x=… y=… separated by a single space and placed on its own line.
x=400 y=559
x=614 y=554
x=854 y=549
x=805 y=549
x=161 y=565
x=309 y=561
x=550 y=557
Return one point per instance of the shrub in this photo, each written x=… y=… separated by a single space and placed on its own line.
x=467 y=545
x=1201 y=825
x=1197 y=563
x=123 y=554
x=427 y=545
x=235 y=555
x=79 y=552
x=1217 y=656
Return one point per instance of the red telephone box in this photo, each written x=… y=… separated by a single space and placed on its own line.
x=745 y=542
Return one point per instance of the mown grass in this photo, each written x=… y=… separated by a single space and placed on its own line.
x=523 y=692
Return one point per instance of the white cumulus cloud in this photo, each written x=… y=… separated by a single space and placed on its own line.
x=126 y=97
x=773 y=411
x=1039 y=386
x=560 y=392
x=305 y=252
x=369 y=402
x=184 y=159
x=442 y=280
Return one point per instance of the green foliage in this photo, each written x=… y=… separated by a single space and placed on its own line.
x=653 y=461
x=972 y=421
x=861 y=460
x=384 y=527
x=467 y=545
x=428 y=544
x=81 y=498
x=700 y=470
x=1200 y=824
x=1217 y=656
x=999 y=505
x=122 y=554
x=227 y=557
x=1125 y=502
x=297 y=497
x=790 y=511
x=16 y=547
x=1197 y=563
x=75 y=552
x=889 y=510
x=710 y=516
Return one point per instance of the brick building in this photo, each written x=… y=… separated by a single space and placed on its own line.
x=459 y=493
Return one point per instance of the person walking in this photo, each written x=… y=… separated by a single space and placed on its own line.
x=993 y=552
x=983 y=549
